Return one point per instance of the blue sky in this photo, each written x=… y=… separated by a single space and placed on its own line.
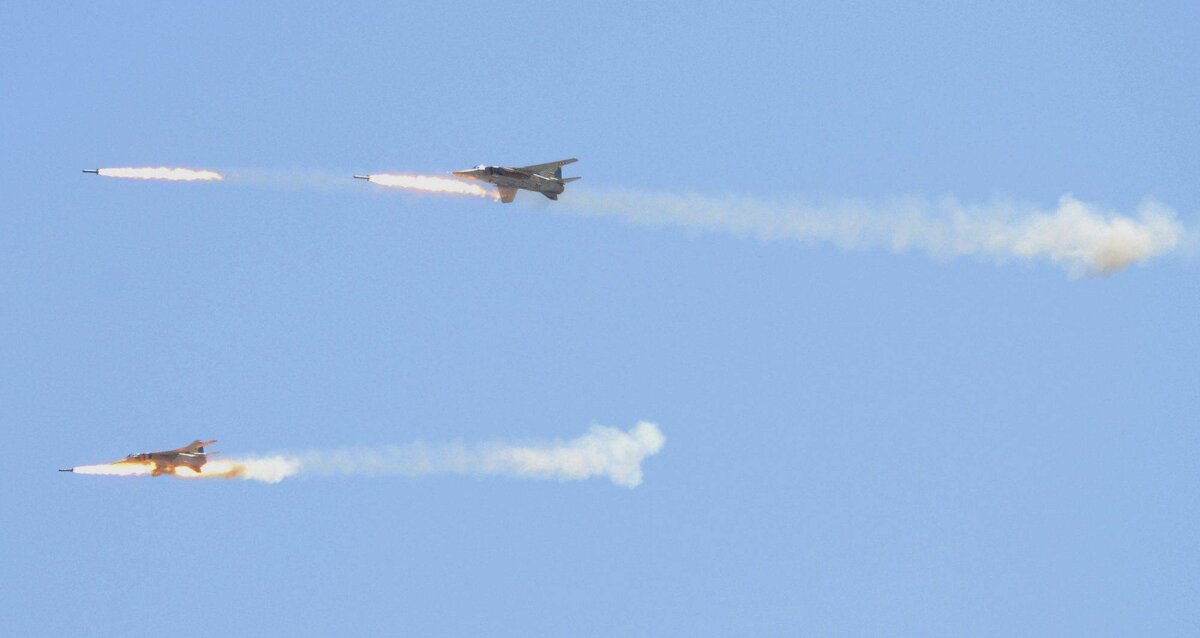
x=858 y=442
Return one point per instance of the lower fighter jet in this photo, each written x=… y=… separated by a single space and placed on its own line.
x=545 y=178
x=191 y=456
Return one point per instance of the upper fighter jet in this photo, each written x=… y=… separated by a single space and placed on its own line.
x=545 y=178
x=191 y=456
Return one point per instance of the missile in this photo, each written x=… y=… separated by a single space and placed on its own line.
x=70 y=469
x=366 y=177
x=94 y=171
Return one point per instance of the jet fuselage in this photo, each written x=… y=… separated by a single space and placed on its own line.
x=509 y=178
x=546 y=178
x=168 y=461
x=192 y=456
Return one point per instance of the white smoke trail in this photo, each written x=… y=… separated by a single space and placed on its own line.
x=603 y=451
x=1082 y=238
x=161 y=172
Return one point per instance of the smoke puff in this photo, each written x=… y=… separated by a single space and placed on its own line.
x=602 y=451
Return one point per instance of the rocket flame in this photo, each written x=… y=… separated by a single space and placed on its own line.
x=116 y=469
x=268 y=470
x=430 y=184
x=162 y=172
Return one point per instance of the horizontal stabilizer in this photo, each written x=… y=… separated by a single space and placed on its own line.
x=568 y=179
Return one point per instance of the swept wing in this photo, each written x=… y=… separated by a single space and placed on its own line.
x=549 y=169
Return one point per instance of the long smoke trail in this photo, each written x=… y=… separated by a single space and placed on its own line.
x=602 y=451
x=161 y=172
x=1082 y=238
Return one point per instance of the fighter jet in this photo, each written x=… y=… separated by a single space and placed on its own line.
x=545 y=178
x=190 y=456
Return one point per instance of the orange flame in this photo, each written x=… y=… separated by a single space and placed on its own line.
x=430 y=184
x=162 y=172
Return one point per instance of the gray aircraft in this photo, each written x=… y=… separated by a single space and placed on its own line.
x=545 y=178
x=191 y=456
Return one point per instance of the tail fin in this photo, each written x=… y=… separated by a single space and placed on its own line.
x=196 y=446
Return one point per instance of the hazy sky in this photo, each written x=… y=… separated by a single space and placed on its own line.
x=857 y=441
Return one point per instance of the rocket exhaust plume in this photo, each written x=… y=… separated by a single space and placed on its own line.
x=116 y=469
x=428 y=184
x=1082 y=238
x=162 y=173
x=602 y=451
x=267 y=469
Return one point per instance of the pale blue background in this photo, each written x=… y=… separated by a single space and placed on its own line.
x=858 y=443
